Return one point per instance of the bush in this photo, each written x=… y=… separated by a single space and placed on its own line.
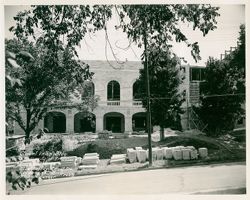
x=48 y=151
x=15 y=151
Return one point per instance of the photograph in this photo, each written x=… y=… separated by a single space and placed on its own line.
x=124 y=99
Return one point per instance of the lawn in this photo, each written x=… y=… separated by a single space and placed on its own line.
x=218 y=149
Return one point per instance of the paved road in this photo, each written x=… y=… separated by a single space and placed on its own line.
x=188 y=180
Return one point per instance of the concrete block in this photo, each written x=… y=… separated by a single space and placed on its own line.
x=159 y=154
x=69 y=161
x=154 y=153
x=168 y=153
x=203 y=152
x=91 y=154
x=141 y=156
x=131 y=155
x=193 y=154
x=177 y=154
x=118 y=156
x=68 y=158
x=90 y=161
x=186 y=154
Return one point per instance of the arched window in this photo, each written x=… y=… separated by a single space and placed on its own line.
x=136 y=94
x=113 y=91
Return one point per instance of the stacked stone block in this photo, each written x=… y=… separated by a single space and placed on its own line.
x=70 y=161
x=89 y=161
x=118 y=159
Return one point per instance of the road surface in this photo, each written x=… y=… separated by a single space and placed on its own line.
x=230 y=178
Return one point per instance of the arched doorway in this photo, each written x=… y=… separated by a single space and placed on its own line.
x=139 y=121
x=84 y=122
x=114 y=122
x=55 y=122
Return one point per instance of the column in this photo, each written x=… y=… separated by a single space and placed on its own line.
x=99 y=123
x=69 y=121
x=128 y=123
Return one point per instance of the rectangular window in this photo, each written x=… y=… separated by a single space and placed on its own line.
x=197 y=74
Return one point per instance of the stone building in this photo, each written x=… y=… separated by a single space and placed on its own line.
x=118 y=109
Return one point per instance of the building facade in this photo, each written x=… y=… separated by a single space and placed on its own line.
x=118 y=109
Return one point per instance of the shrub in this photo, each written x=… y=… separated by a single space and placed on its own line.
x=48 y=151
x=15 y=151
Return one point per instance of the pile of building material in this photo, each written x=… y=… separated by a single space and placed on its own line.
x=70 y=161
x=176 y=153
x=118 y=159
x=90 y=161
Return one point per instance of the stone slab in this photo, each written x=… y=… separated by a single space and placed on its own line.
x=186 y=154
x=91 y=154
x=160 y=154
x=131 y=155
x=141 y=156
x=177 y=154
x=168 y=153
x=118 y=156
x=68 y=158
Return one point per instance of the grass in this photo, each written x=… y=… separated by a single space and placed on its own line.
x=106 y=148
x=218 y=150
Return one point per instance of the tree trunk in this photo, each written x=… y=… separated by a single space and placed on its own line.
x=27 y=137
x=27 y=131
x=162 y=133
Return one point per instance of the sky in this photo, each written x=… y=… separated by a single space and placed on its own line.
x=213 y=44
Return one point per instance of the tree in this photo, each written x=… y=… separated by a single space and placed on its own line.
x=40 y=84
x=155 y=26
x=165 y=78
x=224 y=90
x=54 y=72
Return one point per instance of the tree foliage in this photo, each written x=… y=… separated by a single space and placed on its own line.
x=166 y=96
x=54 y=72
x=154 y=27
x=42 y=80
x=161 y=23
x=225 y=82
